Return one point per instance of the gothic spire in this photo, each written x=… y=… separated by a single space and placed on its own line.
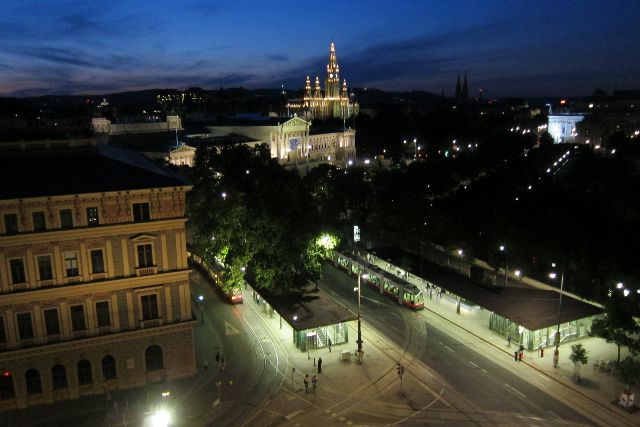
x=458 y=90
x=465 y=89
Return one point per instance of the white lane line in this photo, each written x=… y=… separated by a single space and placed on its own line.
x=521 y=394
x=545 y=378
x=482 y=369
x=449 y=348
x=552 y=414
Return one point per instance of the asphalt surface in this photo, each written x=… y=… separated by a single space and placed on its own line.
x=483 y=382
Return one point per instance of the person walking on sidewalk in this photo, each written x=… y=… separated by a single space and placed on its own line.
x=329 y=344
x=217 y=357
x=319 y=364
x=206 y=366
x=314 y=380
x=306 y=383
x=509 y=341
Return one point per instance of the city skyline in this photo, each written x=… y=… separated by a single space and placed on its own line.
x=507 y=48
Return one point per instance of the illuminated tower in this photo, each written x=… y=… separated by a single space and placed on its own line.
x=316 y=91
x=332 y=82
x=307 y=92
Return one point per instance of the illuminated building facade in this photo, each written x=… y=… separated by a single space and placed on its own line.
x=94 y=282
x=292 y=141
x=332 y=101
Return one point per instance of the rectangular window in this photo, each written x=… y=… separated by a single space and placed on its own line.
x=149 y=306
x=11 y=223
x=92 y=217
x=25 y=326
x=141 y=212
x=38 y=221
x=71 y=264
x=45 y=271
x=77 y=318
x=97 y=261
x=52 y=321
x=3 y=332
x=145 y=255
x=17 y=270
x=102 y=313
x=66 y=218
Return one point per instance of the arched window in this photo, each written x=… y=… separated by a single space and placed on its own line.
x=109 y=367
x=59 y=377
x=84 y=372
x=7 y=391
x=153 y=358
x=32 y=378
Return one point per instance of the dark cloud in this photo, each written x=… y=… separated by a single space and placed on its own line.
x=276 y=57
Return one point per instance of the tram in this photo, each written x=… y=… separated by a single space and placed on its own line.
x=215 y=273
x=395 y=288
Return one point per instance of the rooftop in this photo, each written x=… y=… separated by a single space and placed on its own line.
x=88 y=169
x=532 y=308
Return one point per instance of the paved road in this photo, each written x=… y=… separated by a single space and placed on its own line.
x=483 y=382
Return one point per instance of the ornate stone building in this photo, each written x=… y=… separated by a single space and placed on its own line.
x=332 y=101
x=94 y=282
x=292 y=141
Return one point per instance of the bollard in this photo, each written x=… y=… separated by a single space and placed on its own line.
x=314 y=361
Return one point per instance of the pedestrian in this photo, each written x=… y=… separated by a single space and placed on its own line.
x=329 y=344
x=509 y=341
x=206 y=366
x=520 y=355
x=217 y=357
x=306 y=383
x=515 y=355
x=314 y=380
x=222 y=363
x=319 y=364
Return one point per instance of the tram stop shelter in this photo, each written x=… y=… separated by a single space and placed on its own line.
x=313 y=316
x=529 y=315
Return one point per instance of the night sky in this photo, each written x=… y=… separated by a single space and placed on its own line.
x=508 y=48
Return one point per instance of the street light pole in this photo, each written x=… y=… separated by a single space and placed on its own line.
x=556 y=353
x=359 y=341
x=415 y=148
x=503 y=249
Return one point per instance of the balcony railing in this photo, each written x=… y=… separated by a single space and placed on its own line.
x=145 y=271
x=19 y=286
x=73 y=279
x=99 y=276
x=152 y=323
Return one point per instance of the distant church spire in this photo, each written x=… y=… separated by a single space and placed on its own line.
x=465 y=89
x=458 y=90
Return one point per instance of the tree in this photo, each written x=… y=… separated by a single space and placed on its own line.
x=578 y=357
x=251 y=214
x=617 y=324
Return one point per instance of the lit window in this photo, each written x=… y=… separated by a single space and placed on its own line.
x=92 y=217
x=71 y=264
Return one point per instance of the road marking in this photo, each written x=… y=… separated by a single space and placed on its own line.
x=395 y=314
x=449 y=348
x=229 y=329
x=482 y=369
x=434 y=394
x=521 y=394
x=552 y=414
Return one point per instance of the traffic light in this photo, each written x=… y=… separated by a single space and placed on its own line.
x=400 y=370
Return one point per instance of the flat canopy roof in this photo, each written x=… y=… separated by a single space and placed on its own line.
x=312 y=309
x=532 y=308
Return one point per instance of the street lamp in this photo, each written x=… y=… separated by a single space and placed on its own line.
x=201 y=304
x=503 y=249
x=359 y=341
x=308 y=149
x=556 y=353
x=415 y=148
